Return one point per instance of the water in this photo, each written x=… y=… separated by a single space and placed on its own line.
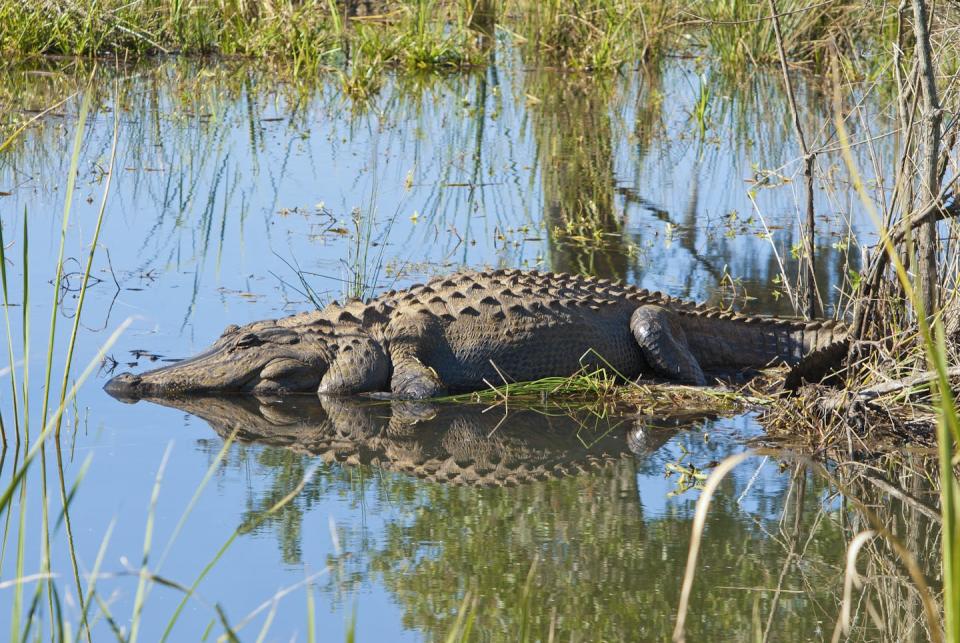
x=228 y=182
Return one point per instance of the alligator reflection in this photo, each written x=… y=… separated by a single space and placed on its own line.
x=452 y=443
x=558 y=524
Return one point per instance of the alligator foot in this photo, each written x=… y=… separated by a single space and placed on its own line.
x=412 y=380
x=664 y=345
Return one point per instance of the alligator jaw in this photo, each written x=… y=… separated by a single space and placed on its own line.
x=126 y=387
x=212 y=370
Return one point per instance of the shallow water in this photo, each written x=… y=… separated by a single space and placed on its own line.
x=228 y=182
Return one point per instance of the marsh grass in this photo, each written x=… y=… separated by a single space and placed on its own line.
x=933 y=341
x=35 y=445
x=37 y=608
x=600 y=390
x=437 y=35
x=898 y=382
x=889 y=532
x=741 y=33
x=594 y=35
x=306 y=35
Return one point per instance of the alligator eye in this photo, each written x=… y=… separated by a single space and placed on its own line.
x=280 y=336
x=248 y=341
x=229 y=330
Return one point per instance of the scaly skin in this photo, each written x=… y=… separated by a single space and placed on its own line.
x=452 y=443
x=471 y=329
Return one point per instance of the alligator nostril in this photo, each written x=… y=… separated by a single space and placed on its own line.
x=125 y=387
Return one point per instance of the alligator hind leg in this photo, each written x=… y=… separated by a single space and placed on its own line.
x=664 y=344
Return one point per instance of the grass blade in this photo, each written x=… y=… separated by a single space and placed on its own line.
x=699 y=521
x=147 y=542
x=226 y=545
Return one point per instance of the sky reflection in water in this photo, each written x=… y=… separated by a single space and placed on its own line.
x=226 y=180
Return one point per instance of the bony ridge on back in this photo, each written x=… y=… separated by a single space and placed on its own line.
x=458 y=332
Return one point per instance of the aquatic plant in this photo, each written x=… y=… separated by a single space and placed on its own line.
x=307 y=35
x=740 y=33
x=35 y=434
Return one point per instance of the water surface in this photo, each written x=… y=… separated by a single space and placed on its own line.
x=237 y=197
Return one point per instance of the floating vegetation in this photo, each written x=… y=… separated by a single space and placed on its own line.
x=602 y=391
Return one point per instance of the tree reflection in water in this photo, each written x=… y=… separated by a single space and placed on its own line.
x=560 y=527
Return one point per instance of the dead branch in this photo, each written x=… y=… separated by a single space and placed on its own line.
x=809 y=160
x=947 y=207
x=895 y=386
x=927 y=233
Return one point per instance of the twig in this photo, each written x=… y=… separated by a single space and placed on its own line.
x=927 y=242
x=904 y=497
x=904 y=383
x=809 y=160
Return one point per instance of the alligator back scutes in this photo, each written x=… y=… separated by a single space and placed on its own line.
x=500 y=292
x=572 y=289
x=456 y=471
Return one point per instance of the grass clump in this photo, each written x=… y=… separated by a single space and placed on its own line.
x=601 y=391
x=595 y=34
x=740 y=32
x=421 y=35
x=437 y=35
x=303 y=34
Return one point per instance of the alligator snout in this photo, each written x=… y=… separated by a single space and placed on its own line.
x=125 y=387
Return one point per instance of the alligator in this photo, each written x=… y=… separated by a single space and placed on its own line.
x=471 y=330
x=457 y=444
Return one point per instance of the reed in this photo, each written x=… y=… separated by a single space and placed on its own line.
x=742 y=33
x=308 y=35
x=35 y=615
x=903 y=378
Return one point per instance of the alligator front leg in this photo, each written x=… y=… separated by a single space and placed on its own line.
x=412 y=379
x=411 y=339
x=360 y=366
x=664 y=344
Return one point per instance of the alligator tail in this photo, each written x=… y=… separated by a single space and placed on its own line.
x=724 y=339
x=816 y=366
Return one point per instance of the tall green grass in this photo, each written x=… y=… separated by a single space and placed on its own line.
x=948 y=426
x=740 y=33
x=596 y=35
x=303 y=35
x=307 y=35
x=38 y=614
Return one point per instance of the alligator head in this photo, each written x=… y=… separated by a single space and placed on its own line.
x=295 y=354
